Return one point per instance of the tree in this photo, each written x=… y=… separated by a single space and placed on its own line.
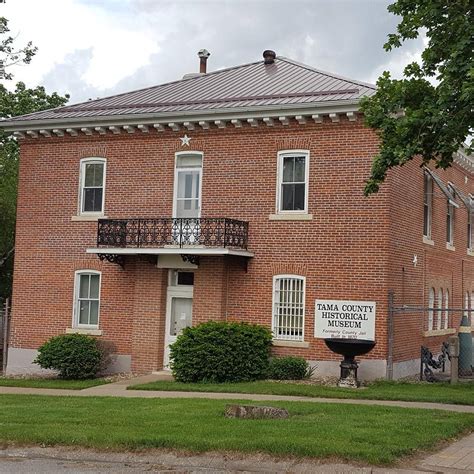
x=12 y=103
x=9 y=54
x=428 y=113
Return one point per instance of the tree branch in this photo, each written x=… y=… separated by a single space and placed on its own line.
x=6 y=256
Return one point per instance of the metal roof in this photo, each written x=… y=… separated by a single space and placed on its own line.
x=283 y=83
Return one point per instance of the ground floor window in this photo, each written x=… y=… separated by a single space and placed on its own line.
x=87 y=299
x=288 y=307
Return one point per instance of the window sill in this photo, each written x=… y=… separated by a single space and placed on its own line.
x=89 y=332
x=438 y=332
x=87 y=218
x=427 y=240
x=282 y=343
x=450 y=247
x=290 y=217
x=470 y=252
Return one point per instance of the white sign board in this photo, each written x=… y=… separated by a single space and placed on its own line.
x=344 y=319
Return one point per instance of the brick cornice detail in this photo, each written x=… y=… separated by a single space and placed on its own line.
x=99 y=150
x=290 y=268
x=196 y=144
x=293 y=143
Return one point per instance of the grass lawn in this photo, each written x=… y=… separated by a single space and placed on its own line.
x=370 y=434
x=51 y=383
x=461 y=394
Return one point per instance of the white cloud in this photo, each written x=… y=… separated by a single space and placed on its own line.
x=119 y=44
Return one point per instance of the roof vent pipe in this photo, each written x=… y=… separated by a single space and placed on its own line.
x=269 y=56
x=203 y=55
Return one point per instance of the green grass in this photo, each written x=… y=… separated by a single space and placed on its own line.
x=460 y=394
x=370 y=434
x=51 y=383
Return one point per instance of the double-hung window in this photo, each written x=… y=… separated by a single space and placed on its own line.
x=427 y=205
x=87 y=299
x=470 y=241
x=293 y=173
x=92 y=186
x=288 y=307
x=450 y=222
x=431 y=303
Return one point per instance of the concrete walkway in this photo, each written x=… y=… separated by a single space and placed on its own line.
x=119 y=389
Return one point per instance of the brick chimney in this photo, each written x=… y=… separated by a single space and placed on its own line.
x=203 y=55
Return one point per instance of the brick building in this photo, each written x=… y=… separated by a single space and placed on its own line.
x=231 y=195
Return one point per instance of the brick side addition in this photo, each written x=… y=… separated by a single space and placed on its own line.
x=354 y=248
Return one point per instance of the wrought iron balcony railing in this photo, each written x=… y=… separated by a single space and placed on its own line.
x=182 y=232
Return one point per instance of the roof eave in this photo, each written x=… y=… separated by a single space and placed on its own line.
x=341 y=106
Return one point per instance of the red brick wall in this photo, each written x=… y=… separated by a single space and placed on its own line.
x=437 y=266
x=349 y=250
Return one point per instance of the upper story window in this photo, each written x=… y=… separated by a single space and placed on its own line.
x=470 y=241
x=87 y=299
x=187 y=185
x=92 y=186
x=427 y=205
x=450 y=223
x=293 y=173
x=288 y=307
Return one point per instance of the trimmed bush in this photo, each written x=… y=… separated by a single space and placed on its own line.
x=74 y=356
x=221 y=352
x=289 y=368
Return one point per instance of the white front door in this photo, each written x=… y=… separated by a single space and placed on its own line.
x=179 y=315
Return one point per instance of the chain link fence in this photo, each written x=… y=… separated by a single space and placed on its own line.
x=419 y=337
x=4 y=331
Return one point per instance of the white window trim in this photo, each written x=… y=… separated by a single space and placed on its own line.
x=282 y=154
x=82 y=174
x=431 y=310
x=428 y=194
x=451 y=212
x=75 y=312
x=175 y=184
x=446 y=308
x=303 y=279
x=439 y=309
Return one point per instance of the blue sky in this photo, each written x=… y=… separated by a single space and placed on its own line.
x=92 y=48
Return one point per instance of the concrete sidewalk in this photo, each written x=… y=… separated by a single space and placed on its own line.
x=119 y=389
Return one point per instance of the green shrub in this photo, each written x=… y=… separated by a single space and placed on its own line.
x=74 y=356
x=289 y=368
x=221 y=352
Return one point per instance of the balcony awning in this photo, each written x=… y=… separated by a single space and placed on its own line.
x=466 y=200
x=201 y=252
x=443 y=187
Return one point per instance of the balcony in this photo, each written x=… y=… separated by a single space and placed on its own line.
x=188 y=237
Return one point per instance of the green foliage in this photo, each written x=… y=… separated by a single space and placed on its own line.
x=9 y=53
x=288 y=368
x=221 y=352
x=429 y=112
x=13 y=103
x=74 y=356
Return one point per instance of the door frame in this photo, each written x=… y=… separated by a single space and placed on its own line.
x=182 y=291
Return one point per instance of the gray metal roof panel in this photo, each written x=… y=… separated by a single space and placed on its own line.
x=250 y=85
